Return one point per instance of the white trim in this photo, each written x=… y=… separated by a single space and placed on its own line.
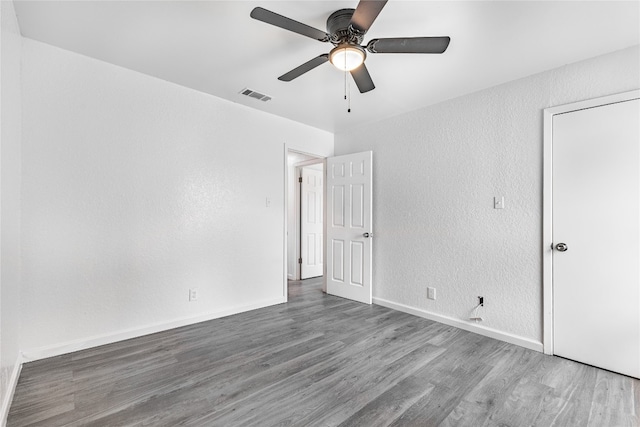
x=297 y=174
x=324 y=226
x=595 y=102
x=462 y=324
x=547 y=202
x=315 y=161
x=11 y=389
x=547 y=235
x=285 y=246
x=83 y=344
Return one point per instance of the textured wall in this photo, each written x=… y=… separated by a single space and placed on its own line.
x=436 y=172
x=10 y=198
x=135 y=190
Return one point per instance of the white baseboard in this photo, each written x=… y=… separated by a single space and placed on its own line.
x=467 y=326
x=11 y=389
x=83 y=344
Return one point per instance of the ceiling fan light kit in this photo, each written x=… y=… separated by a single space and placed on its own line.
x=345 y=30
x=347 y=57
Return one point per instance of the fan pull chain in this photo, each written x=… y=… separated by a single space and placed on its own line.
x=348 y=97
x=345 y=85
x=347 y=89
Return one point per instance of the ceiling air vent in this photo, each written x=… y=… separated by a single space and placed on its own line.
x=257 y=95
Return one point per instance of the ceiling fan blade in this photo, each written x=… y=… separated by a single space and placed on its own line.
x=362 y=79
x=409 y=45
x=273 y=18
x=366 y=12
x=307 y=66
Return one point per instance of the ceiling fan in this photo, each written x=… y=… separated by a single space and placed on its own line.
x=345 y=30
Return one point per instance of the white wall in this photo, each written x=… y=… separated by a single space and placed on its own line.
x=136 y=190
x=10 y=134
x=436 y=172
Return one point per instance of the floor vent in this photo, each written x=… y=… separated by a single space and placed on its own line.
x=257 y=95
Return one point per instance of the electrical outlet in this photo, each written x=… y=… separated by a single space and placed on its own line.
x=475 y=316
x=193 y=294
x=431 y=293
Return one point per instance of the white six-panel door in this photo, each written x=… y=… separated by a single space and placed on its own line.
x=596 y=236
x=349 y=234
x=311 y=223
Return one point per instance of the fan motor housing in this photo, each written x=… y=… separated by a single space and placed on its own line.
x=338 y=26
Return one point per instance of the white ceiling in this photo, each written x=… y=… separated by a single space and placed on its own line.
x=215 y=47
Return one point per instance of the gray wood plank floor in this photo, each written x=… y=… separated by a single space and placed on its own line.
x=319 y=361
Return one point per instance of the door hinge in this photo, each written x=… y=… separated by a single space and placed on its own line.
x=300 y=179
x=299 y=260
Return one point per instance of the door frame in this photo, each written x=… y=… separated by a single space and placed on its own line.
x=317 y=158
x=547 y=202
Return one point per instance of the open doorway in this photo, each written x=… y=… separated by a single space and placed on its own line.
x=305 y=201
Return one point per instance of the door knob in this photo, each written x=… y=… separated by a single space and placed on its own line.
x=367 y=235
x=562 y=247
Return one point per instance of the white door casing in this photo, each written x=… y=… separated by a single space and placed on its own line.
x=311 y=223
x=348 y=228
x=595 y=211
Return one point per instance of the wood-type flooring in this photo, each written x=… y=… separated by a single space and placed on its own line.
x=319 y=361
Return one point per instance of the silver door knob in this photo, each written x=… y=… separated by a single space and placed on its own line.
x=562 y=247
x=367 y=235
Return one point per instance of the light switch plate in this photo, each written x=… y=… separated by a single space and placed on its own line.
x=498 y=202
